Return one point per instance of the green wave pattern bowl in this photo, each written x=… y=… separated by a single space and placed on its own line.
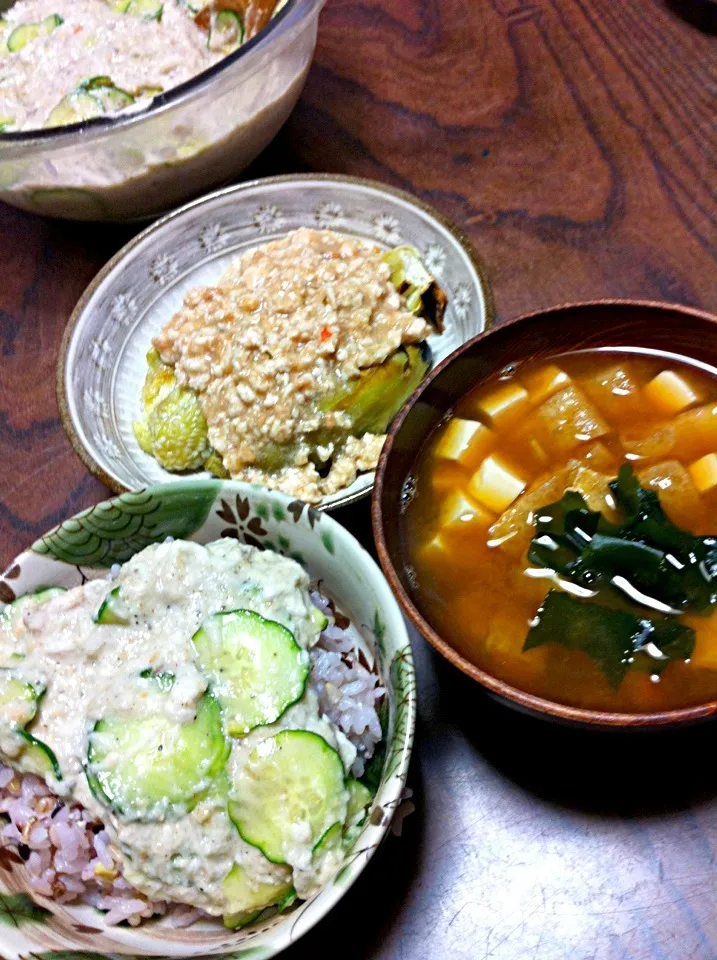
x=84 y=547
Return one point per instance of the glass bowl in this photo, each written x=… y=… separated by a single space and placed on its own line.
x=193 y=137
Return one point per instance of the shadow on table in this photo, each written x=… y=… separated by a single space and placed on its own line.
x=623 y=773
x=361 y=920
x=700 y=13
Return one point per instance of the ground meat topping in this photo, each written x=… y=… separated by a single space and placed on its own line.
x=285 y=327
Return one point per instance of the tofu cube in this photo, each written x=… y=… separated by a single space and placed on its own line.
x=505 y=405
x=458 y=512
x=495 y=485
x=546 y=381
x=670 y=393
x=446 y=476
x=434 y=552
x=464 y=440
x=704 y=473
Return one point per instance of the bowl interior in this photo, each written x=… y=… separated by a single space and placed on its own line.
x=57 y=134
x=102 y=364
x=111 y=532
x=607 y=324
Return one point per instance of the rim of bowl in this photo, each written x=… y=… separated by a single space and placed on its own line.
x=528 y=702
x=283 y=933
x=280 y=25
x=60 y=381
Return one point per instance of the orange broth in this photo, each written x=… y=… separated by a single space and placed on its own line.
x=539 y=430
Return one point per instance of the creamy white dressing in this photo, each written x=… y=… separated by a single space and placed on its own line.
x=92 y=671
x=92 y=41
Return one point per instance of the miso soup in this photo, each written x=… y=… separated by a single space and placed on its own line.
x=563 y=531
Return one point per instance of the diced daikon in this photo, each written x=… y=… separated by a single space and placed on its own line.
x=569 y=418
x=675 y=487
x=616 y=391
x=598 y=457
x=513 y=530
x=593 y=486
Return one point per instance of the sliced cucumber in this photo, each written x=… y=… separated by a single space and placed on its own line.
x=27 y=32
x=51 y=23
x=291 y=782
x=91 y=83
x=234 y=921
x=120 y=6
x=145 y=9
x=331 y=840
x=37 y=758
x=111 y=97
x=144 y=769
x=359 y=799
x=113 y=610
x=320 y=619
x=143 y=92
x=74 y=108
x=247 y=899
x=226 y=32
x=18 y=700
x=287 y=901
x=255 y=667
x=70 y=202
x=164 y=680
x=13 y=611
x=6 y=122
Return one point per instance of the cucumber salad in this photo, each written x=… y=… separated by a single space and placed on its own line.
x=184 y=722
x=64 y=61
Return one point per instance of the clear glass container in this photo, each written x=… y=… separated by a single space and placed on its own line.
x=191 y=138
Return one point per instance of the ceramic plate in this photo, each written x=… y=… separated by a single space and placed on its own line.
x=203 y=510
x=102 y=362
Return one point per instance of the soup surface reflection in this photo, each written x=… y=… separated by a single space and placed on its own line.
x=602 y=598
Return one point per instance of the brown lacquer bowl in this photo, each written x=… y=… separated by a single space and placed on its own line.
x=604 y=323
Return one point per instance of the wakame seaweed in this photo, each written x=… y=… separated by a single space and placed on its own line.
x=615 y=639
x=644 y=571
x=657 y=558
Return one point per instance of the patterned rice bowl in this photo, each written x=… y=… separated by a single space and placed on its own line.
x=85 y=547
x=102 y=366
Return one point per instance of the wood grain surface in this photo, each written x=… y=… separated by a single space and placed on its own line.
x=574 y=140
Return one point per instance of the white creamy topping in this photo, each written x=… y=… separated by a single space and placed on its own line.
x=95 y=41
x=92 y=670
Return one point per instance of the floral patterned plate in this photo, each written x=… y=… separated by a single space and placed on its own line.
x=102 y=361
x=203 y=510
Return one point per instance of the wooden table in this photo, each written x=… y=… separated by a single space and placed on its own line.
x=574 y=140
